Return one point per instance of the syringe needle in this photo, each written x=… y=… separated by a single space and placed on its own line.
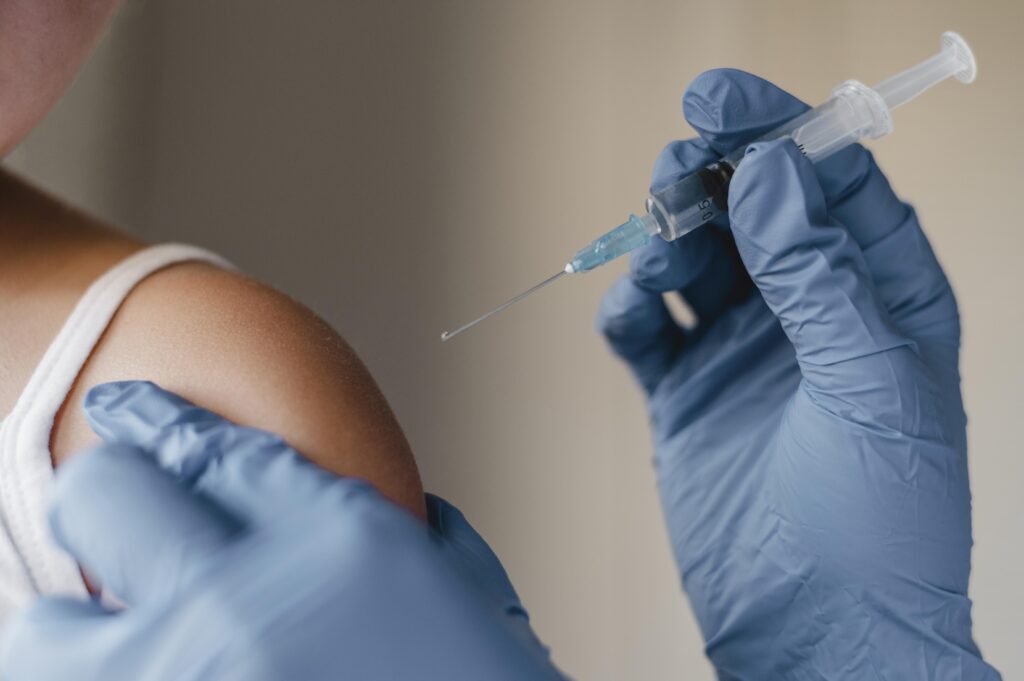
x=447 y=335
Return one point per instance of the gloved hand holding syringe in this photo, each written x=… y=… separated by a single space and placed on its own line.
x=854 y=112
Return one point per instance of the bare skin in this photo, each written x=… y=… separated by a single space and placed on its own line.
x=218 y=338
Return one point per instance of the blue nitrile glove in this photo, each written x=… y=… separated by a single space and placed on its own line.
x=809 y=433
x=239 y=559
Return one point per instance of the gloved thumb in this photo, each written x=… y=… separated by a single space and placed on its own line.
x=132 y=525
x=479 y=562
x=466 y=545
x=809 y=269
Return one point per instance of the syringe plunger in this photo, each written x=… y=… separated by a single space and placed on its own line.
x=954 y=59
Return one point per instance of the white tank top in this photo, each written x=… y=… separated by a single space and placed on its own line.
x=30 y=562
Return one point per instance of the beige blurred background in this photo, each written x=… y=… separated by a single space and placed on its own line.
x=402 y=165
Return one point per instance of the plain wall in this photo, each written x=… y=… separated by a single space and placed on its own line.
x=402 y=165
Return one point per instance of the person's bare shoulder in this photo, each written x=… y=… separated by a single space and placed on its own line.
x=257 y=357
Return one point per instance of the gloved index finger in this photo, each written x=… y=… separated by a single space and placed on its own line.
x=729 y=108
x=142 y=414
x=251 y=472
x=185 y=439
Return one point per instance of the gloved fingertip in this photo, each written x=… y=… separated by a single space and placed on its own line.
x=728 y=107
x=99 y=401
x=105 y=395
x=113 y=409
x=144 y=414
x=702 y=99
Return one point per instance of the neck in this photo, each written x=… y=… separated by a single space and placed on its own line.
x=49 y=255
x=41 y=237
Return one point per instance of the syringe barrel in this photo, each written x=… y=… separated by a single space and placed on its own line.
x=854 y=112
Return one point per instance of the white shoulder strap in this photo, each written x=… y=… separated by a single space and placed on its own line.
x=26 y=469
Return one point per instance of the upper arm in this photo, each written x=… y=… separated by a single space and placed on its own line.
x=255 y=356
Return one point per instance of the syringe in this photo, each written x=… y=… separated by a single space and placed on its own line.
x=855 y=111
